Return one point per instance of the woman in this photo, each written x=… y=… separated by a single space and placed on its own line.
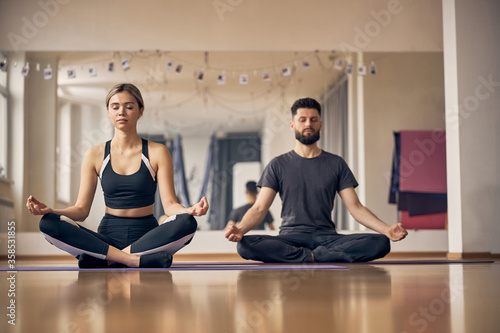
x=130 y=169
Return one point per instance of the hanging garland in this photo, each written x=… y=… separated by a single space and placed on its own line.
x=170 y=65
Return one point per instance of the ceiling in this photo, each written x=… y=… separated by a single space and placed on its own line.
x=222 y=25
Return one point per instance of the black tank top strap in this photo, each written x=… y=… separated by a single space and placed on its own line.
x=107 y=148
x=145 y=148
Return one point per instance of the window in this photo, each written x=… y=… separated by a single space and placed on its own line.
x=3 y=117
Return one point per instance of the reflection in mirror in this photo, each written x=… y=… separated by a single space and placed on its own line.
x=241 y=99
x=224 y=96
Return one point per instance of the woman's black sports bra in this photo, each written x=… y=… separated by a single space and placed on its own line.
x=128 y=191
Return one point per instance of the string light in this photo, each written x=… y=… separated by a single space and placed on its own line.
x=243 y=79
x=348 y=69
x=47 y=73
x=92 y=71
x=125 y=64
x=373 y=68
x=3 y=65
x=71 y=73
x=221 y=78
x=26 y=69
x=361 y=70
x=339 y=64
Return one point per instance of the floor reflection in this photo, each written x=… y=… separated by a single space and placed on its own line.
x=312 y=300
x=363 y=298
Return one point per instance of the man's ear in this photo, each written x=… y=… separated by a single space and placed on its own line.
x=292 y=126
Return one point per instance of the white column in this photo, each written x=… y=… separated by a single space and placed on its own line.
x=17 y=136
x=351 y=129
x=452 y=128
x=472 y=96
x=361 y=135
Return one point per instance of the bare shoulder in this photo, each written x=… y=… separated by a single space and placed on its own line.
x=96 y=152
x=94 y=156
x=158 y=153
x=157 y=149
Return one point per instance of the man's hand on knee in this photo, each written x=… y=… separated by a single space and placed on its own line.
x=233 y=233
x=396 y=232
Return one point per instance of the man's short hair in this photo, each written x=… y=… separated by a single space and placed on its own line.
x=251 y=187
x=305 y=103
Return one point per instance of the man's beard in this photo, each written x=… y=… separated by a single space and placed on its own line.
x=307 y=140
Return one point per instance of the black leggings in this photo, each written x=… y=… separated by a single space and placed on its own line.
x=143 y=234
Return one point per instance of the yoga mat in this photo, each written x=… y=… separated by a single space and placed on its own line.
x=375 y=262
x=423 y=262
x=215 y=266
x=186 y=267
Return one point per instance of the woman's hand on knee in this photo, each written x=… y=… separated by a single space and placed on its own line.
x=36 y=207
x=199 y=209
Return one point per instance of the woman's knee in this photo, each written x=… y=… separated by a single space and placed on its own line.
x=49 y=224
x=189 y=223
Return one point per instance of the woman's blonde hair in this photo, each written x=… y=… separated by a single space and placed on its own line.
x=128 y=87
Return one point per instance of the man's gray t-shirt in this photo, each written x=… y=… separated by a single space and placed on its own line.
x=307 y=187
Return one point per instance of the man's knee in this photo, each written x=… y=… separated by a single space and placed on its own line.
x=245 y=249
x=381 y=245
x=242 y=248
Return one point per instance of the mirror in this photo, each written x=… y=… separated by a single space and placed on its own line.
x=192 y=94
x=232 y=97
x=395 y=99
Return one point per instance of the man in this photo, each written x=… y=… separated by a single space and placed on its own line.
x=237 y=214
x=307 y=179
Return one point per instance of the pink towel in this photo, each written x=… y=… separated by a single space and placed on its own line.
x=423 y=162
x=429 y=221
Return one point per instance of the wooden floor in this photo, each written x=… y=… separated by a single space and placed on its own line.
x=362 y=298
